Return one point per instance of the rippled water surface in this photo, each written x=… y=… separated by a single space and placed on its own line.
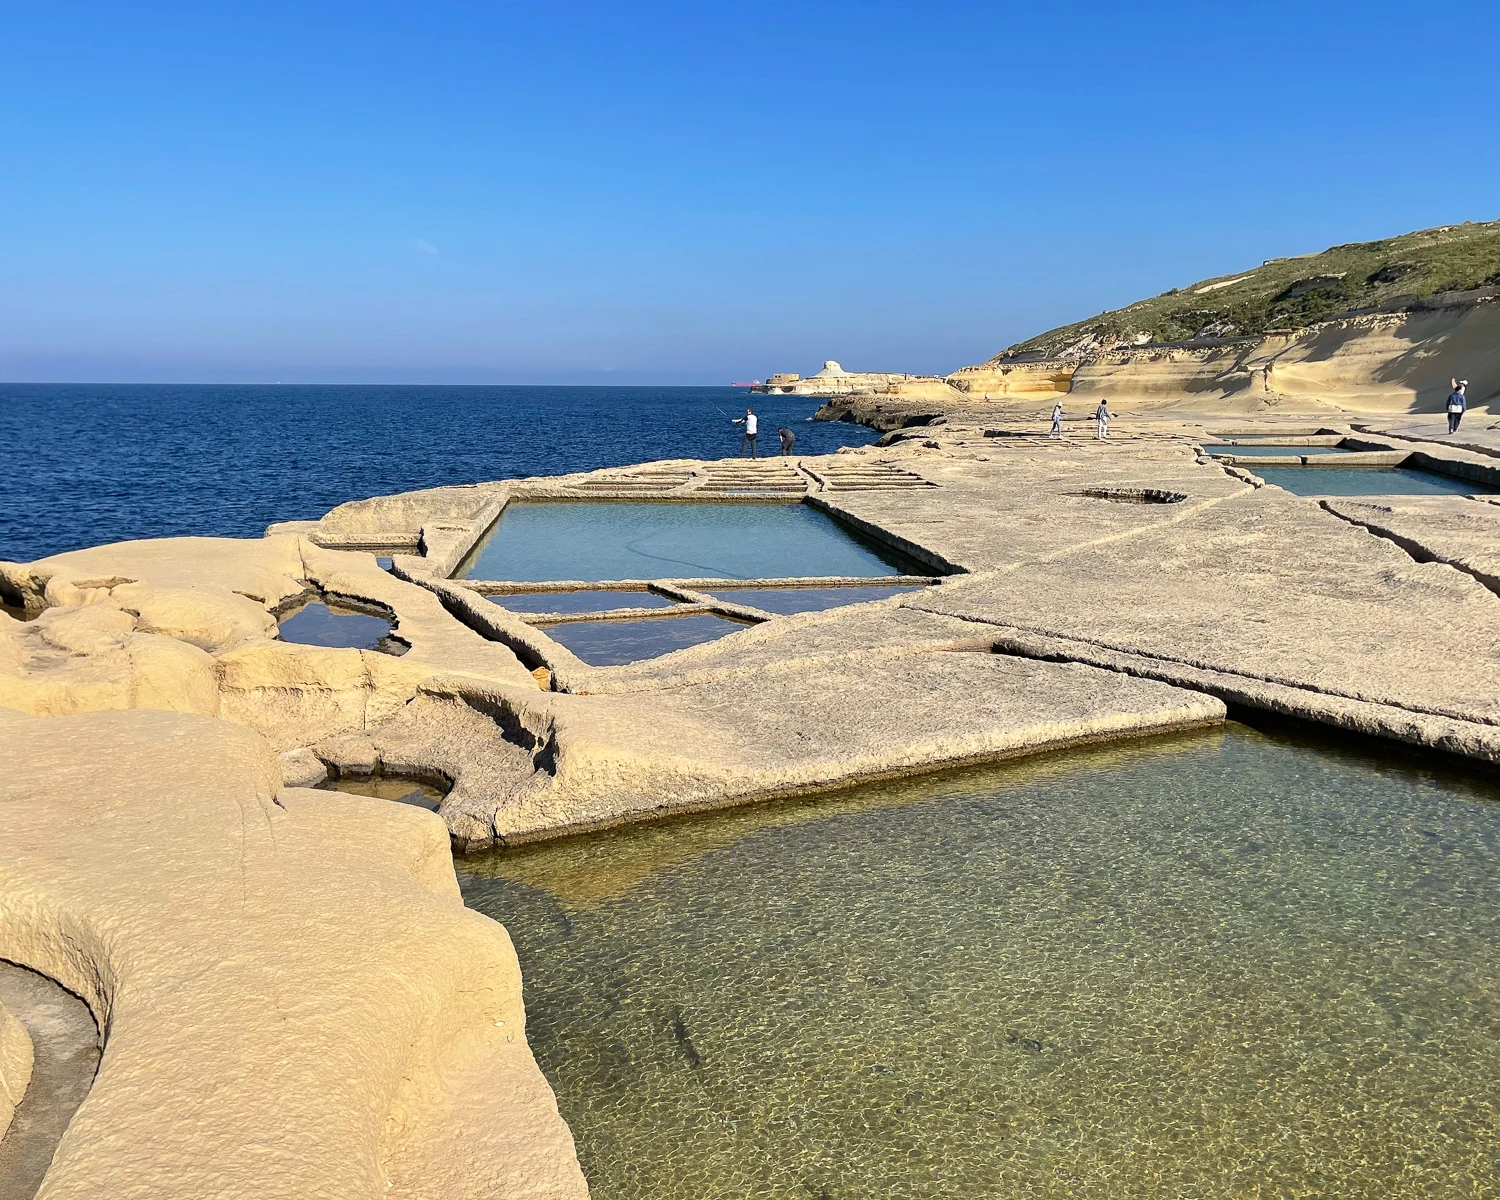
x=82 y=464
x=1223 y=964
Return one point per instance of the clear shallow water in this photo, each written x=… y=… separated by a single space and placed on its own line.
x=799 y=600
x=1268 y=450
x=611 y=643
x=1217 y=965
x=538 y=540
x=319 y=625
x=387 y=787
x=82 y=464
x=1368 y=481
x=578 y=602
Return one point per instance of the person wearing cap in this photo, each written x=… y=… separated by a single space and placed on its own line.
x=1457 y=402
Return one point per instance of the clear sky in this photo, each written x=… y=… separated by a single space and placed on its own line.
x=688 y=193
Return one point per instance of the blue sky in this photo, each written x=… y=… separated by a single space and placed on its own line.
x=688 y=193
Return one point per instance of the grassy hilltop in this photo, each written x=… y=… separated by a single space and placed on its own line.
x=1290 y=293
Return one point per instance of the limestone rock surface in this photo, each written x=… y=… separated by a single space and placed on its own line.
x=296 y=1001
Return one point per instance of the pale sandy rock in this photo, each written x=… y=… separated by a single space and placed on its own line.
x=91 y=629
x=435 y=637
x=266 y=570
x=599 y=759
x=1265 y=585
x=392 y=520
x=323 y=1023
x=214 y=621
x=302 y=768
x=1445 y=529
x=294 y=694
x=15 y=1066
x=85 y=659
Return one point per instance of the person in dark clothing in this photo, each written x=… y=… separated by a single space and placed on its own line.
x=788 y=440
x=1458 y=402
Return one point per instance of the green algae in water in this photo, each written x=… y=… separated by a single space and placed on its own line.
x=1219 y=964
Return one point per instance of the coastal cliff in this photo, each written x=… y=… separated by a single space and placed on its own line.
x=1378 y=326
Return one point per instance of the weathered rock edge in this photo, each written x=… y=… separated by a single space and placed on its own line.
x=295 y=1001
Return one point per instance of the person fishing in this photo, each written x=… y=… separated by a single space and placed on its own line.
x=751 y=424
x=1458 y=402
x=788 y=440
x=1057 y=420
x=1102 y=415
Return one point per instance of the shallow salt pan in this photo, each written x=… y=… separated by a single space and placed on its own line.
x=1368 y=481
x=613 y=643
x=537 y=541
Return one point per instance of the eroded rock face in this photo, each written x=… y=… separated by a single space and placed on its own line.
x=189 y=625
x=296 y=1001
x=15 y=1066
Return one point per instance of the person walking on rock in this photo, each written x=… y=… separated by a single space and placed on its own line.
x=1056 y=420
x=1102 y=415
x=751 y=424
x=1458 y=401
x=788 y=440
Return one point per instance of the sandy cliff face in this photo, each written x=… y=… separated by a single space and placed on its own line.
x=1386 y=362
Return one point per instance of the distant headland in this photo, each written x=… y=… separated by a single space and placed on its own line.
x=1369 y=326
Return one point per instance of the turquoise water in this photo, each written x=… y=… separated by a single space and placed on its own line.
x=611 y=643
x=537 y=541
x=581 y=601
x=1368 y=481
x=798 y=600
x=1269 y=451
x=1222 y=964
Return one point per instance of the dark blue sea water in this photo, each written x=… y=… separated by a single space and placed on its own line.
x=82 y=464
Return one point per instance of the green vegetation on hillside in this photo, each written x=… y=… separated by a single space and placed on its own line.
x=1291 y=293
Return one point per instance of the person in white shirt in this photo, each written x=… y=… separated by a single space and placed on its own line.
x=1102 y=415
x=751 y=424
x=1057 y=419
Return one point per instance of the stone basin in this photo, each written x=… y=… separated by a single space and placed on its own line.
x=580 y=601
x=598 y=540
x=1369 y=481
x=1272 y=450
x=787 y=601
x=613 y=643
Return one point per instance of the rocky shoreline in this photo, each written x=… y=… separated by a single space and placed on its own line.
x=333 y=1014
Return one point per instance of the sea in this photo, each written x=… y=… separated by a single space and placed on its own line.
x=84 y=464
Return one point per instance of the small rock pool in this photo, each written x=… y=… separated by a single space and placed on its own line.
x=338 y=627
x=1215 y=964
